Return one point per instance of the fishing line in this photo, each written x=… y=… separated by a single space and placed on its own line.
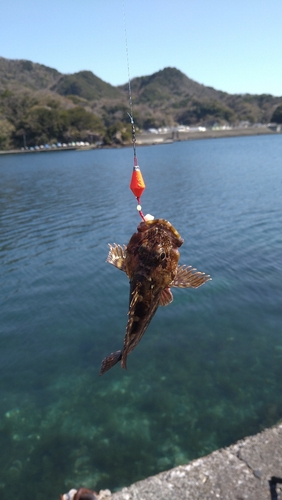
x=137 y=184
x=129 y=85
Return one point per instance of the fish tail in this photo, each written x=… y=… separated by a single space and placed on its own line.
x=110 y=361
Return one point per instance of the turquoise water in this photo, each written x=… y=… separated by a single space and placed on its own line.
x=209 y=368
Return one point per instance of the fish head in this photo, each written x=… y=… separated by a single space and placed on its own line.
x=153 y=251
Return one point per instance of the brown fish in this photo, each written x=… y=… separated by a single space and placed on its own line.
x=150 y=260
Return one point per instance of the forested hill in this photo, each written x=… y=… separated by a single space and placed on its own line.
x=43 y=105
x=172 y=94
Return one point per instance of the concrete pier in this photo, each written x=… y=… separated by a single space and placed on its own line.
x=251 y=469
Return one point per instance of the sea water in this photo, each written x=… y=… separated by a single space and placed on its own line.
x=209 y=368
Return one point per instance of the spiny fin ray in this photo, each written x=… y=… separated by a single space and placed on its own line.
x=166 y=297
x=189 y=277
x=117 y=256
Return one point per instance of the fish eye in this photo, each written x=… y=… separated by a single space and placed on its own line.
x=162 y=255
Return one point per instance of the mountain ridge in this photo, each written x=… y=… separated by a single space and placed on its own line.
x=72 y=106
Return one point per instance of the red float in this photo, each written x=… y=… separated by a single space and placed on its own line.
x=137 y=184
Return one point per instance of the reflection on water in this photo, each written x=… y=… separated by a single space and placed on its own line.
x=208 y=370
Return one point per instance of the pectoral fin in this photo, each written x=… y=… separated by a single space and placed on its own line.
x=166 y=297
x=189 y=277
x=117 y=256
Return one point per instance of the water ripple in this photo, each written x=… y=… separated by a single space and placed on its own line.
x=208 y=370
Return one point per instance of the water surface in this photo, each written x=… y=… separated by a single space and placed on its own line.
x=209 y=369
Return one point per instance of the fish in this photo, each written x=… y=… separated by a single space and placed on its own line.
x=150 y=261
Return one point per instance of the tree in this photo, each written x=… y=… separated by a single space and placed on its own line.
x=6 y=129
x=15 y=106
x=118 y=133
x=84 y=120
x=205 y=111
x=277 y=115
x=43 y=125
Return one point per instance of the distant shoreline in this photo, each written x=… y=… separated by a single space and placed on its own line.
x=150 y=139
x=147 y=139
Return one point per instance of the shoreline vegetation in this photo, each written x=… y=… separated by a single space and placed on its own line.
x=151 y=139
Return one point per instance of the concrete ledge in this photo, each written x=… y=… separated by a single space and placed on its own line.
x=251 y=469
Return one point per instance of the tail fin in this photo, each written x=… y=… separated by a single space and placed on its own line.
x=110 y=361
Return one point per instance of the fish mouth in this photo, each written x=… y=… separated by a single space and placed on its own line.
x=165 y=224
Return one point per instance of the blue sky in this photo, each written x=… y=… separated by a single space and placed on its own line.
x=231 y=45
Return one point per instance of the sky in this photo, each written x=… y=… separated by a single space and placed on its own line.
x=231 y=45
